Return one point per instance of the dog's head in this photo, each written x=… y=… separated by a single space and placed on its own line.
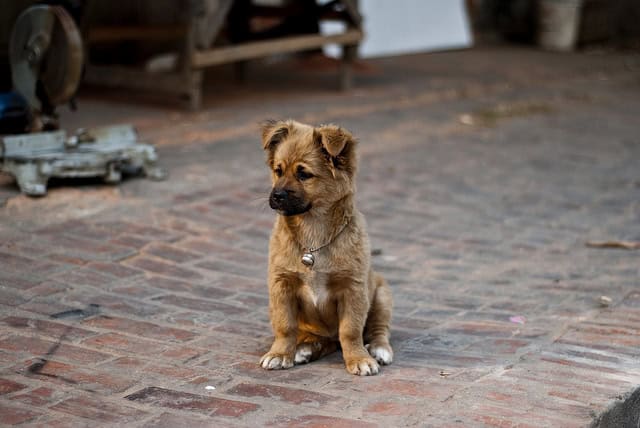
x=311 y=167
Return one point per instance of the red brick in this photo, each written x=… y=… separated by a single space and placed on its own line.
x=136 y=290
x=434 y=389
x=183 y=354
x=168 y=284
x=130 y=228
x=318 y=421
x=48 y=288
x=413 y=323
x=181 y=373
x=388 y=408
x=14 y=415
x=498 y=346
x=85 y=249
x=576 y=364
x=140 y=328
x=161 y=397
x=233 y=268
x=84 y=277
x=168 y=420
x=47 y=308
x=171 y=253
x=201 y=246
x=76 y=260
x=146 y=371
x=114 y=269
x=18 y=282
x=18 y=264
x=251 y=300
x=126 y=363
x=86 y=379
x=38 y=397
x=222 y=250
x=97 y=409
x=200 y=304
x=208 y=291
x=119 y=342
x=123 y=304
x=40 y=348
x=8 y=386
x=46 y=328
x=21 y=245
x=244 y=328
x=162 y=268
x=135 y=242
x=10 y=297
x=478 y=328
x=289 y=395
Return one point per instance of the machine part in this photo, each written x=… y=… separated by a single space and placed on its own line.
x=102 y=152
x=45 y=52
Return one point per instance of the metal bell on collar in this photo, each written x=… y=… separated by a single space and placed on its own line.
x=308 y=259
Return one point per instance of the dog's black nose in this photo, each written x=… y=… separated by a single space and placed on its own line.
x=279 y=195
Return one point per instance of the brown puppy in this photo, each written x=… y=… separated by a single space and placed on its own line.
x=321 y=286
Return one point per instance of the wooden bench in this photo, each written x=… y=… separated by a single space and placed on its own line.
x=186 y=79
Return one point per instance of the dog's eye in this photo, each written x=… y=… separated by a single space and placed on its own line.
x=278 y=171
x=302 y=175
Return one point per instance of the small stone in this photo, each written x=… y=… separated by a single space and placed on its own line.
x=605 y=301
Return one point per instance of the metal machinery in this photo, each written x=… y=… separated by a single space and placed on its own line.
x=46 y=57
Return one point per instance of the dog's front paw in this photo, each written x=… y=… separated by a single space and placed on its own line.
x=382 y=353
x=273 y=361
x=362 y=366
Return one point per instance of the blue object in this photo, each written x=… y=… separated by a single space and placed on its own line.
x=14 y=113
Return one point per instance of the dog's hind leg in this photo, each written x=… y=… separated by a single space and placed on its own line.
x=376 y=332
x=311 y=348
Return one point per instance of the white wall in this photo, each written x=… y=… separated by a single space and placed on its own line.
x=394 y=27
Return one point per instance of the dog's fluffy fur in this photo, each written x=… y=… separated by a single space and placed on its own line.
x=340 y=299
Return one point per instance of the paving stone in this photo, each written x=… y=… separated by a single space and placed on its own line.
x=84 y=379
x=121 y=343
x=289 y=395
x=171 y=253
x=171 y=399
x=200 y=305
x=47 y=328
x=140 y=328
x=8 y=386
x=319 y=421
x=156 y=266
x=34 y=346
x=99 y=410
x=12 y=415
x=38 y=397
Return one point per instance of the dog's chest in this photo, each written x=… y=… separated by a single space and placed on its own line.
x=314 y=288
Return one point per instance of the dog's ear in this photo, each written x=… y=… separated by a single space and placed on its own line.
x=338 y=145
x=273 y=132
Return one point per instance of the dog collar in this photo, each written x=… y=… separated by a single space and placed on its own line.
x=308 y=259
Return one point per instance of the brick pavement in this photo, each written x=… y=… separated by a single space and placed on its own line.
x=125 y=305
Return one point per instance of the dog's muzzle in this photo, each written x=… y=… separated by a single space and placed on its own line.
x=287 y=203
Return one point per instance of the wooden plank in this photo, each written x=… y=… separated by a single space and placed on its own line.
x=251 y=50
x=146 y=32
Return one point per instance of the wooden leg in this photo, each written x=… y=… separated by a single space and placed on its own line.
x=349 y=53
x=194 y=89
